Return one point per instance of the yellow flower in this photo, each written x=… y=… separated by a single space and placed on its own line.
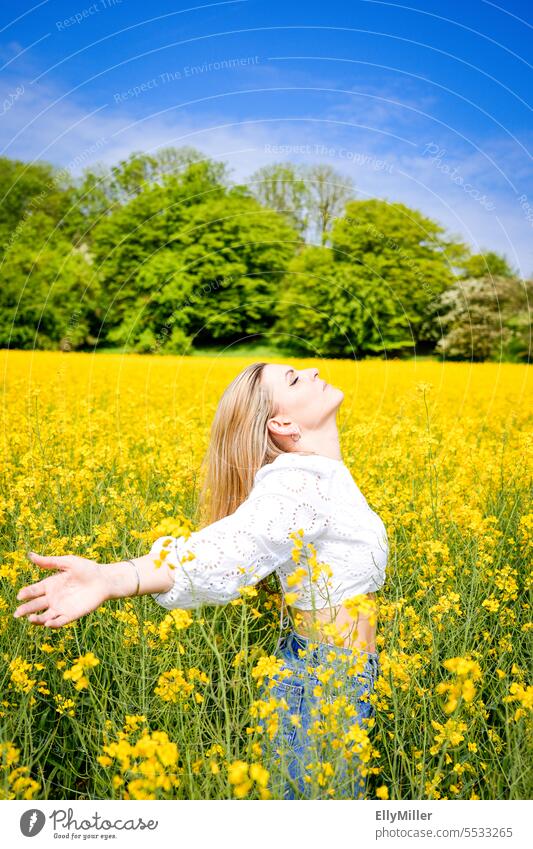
x=467 y=671
x=362 y=605
x=522 y=694
x=132 y=722
x=239 y=658
x=173 y=686
x=242 y=790
x=76 y=672
x=450 y=734
x=290 y=598
x=296 y=577
x=268 y=667
x=15 y=781
x=259 y=774
x=247 y=592
x=237 y=772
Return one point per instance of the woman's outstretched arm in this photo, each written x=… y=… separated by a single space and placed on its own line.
x=80 y=585
x=122 y=581
x=211 y=566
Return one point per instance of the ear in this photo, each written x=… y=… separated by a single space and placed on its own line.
x=281 y=426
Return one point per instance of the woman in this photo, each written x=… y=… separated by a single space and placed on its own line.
x=274 y=467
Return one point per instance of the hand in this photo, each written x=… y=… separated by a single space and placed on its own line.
x=79 y=587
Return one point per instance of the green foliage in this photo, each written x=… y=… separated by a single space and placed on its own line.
x=101 y=190
x=49 y=296
x=28 y=190
x=192 y=255
x=332 y=309
x=373 y=291
x=489 y=264
x=161 y=253
x=401 y=252
x=280 y=187
x=310 y=197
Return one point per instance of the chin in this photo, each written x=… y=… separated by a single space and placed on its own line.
x=333 y=396
x=339 y=395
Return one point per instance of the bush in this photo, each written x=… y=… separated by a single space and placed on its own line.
x=486 y=318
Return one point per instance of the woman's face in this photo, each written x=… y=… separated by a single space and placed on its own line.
x=304 y=401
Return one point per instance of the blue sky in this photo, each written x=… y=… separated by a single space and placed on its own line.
x=424 y=103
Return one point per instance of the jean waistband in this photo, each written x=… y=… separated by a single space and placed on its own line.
x=319 y=653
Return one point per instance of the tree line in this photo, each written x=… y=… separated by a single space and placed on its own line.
x=164 y=253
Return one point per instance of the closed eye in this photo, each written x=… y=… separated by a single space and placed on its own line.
x=294 y=381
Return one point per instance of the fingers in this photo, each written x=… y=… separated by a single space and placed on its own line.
x=42 y=618
x=50 y=618
x=58 y=622
x=31 y=607
x=31 y=591
x=61 y=561
x=39 y=587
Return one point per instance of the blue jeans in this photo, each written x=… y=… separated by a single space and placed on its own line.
x=293 y=754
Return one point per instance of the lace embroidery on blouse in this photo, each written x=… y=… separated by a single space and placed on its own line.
x=215 y=563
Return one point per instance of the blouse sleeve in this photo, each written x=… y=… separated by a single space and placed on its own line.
x=213 y=564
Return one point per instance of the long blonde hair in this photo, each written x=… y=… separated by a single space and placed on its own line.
x=239 y=445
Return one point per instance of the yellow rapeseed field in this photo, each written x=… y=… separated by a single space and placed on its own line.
x=100 y=456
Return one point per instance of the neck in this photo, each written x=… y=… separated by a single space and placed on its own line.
x=324 y=442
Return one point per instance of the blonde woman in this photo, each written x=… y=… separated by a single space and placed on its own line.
x=273 y=467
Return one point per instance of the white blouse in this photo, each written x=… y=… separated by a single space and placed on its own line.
x=310 y=492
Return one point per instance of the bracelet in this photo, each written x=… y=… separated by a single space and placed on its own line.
x=138 y=579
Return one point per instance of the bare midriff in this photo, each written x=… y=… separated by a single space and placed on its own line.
x=354 y=632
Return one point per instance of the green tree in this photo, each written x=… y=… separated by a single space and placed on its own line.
x=328 y=192
x=102 y=189
x=49 y=296
x=331 y=308
x=123 y=241
x=207 y=269
x=402 y=254
x=309 y=196
x=487 y=264
x=28 y=190
x=140 y=170
x=279 y=186
x=160 y=251
x=93 y=197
